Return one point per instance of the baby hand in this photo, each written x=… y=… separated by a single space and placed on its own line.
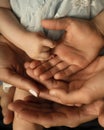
x=37 y=46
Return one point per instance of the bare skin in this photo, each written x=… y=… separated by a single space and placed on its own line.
x=20 y=124
x=7 y=98
x=75 y=50
x=34 y=44
x=82 y=87
x=12 y=70
x=46 y=114
x=9 y=116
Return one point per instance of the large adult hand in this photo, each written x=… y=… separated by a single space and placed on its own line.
x=11 y=67
x=79 y=46
x=85 y=87
x=50 y=114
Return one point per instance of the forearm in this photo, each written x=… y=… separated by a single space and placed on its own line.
x=99 y=22
x=10 y=27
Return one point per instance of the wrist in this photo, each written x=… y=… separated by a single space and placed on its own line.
x=23 y=40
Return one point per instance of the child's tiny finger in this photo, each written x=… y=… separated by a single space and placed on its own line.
x=44 y=56
x=49 y=43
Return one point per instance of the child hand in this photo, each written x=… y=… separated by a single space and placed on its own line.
x=37 y=46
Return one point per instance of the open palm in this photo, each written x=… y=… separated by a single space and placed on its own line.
x=80 y=45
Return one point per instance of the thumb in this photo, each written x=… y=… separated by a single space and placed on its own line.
x=56 y=24
x=19 y=81
x=61 y=95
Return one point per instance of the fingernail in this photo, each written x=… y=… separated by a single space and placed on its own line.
x=6 y=87
x=33 y=93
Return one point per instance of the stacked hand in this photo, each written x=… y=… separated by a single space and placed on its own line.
x=75 y=51
x=78 y=47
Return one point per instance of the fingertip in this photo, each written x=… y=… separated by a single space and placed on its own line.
x=101 y=120
x=49 y=43
x=11 y=107
x=26 y=65
x=8 y=119
x=52 y=45
x=5 y=121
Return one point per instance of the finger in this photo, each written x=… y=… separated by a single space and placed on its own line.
x=7 y=98
x=45 y=119
x=8 y=118
x=101 y=117
x=67 y=72
x=74 y=97
x=67 y=116
x=54 y=70
x=43 y=116
x=19 y=81
x=30 y=73
x=26 y=65
x=32 y=64
x=48 y=43
x=46 y=66
x=86 y=94
x=49 y=74
x=56 y=24
x=44 y=56
x=61 y=94
x=70 y=56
